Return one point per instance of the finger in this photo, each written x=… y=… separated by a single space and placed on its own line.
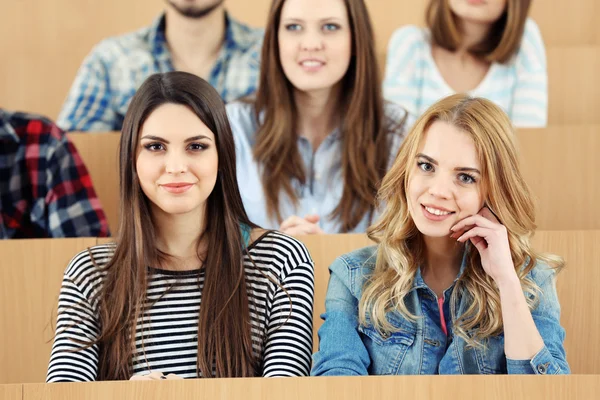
x=487 y=213
x=153 y=376
x=477 y=231
x=312 y=218
x=290 y=222
x=474 y=220
x=460 y=231
x=315 y=229
x=479 y=243
x=173 y=377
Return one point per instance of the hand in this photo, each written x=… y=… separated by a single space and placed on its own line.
x=490 y=238
x=154 y=376
x=295 y=225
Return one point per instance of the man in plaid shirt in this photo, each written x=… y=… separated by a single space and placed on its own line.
x=195 y=36
x=45 y=190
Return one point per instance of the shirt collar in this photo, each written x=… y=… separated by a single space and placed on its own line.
x=7 y=132
x=237 y=35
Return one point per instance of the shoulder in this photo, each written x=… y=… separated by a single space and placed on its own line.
x=408 y=36
x=127 y=45
x=406 y=50
x=542 y=274
x=86 y=267
x=247 y=38
x=363 y=258
x=241 y=110
x=242 y=118
x=273 y=247
x=531 y=55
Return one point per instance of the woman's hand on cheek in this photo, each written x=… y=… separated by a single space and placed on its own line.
x=490 y=238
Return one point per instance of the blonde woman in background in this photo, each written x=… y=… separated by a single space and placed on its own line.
x=487 y=48
x=452 y=287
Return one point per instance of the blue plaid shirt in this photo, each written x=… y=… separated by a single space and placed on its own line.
x=45 y=190
x=112 y=72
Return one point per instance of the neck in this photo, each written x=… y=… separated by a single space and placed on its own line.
x=193 y=41
x=472 y=34
x=178 y=236
x=317 y=113
x=443 y=259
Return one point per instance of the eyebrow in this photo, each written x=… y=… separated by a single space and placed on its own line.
x=159 y=139
x=336 y=19
x=460 y=169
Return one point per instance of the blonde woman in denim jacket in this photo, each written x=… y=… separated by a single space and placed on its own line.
x=453 y=285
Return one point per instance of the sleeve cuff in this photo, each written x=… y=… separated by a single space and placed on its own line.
x=541 y=364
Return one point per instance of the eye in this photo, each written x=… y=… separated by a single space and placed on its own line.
x=197 y=147
x=331 y=27
x=155 y=146
x=425 y=166
x=293 y=27
x=466 y=178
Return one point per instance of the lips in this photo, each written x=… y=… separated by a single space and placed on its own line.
x=177 y=187
x=312 y=64
x=435 y=213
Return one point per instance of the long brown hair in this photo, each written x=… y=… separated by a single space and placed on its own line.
x=365 y=152
x=224 y=339
x=501 y=43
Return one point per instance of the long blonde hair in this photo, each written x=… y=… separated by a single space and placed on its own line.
x=401 y=249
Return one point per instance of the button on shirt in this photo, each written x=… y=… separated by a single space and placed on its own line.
x=45 y=190
x=323 y=189
x=112 y=72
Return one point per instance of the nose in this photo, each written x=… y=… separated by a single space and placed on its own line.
x=441 y=187
x=311 y=41
x=175 y=164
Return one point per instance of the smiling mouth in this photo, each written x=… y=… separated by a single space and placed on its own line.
x=436 y=211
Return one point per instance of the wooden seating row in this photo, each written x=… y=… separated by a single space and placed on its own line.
x=559 y=163
x=32 y=273
x=577 y=387
x=52 y=27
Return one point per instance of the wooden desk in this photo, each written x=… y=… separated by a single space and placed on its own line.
x=11 y=392
x=575 y=387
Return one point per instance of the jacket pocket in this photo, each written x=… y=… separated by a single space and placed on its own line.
x=387 y=350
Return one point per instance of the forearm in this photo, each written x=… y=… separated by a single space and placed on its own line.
x=522 y=340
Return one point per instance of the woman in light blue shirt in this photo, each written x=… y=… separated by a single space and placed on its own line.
x=487 y=49
x=452 y=287
x=314 y=143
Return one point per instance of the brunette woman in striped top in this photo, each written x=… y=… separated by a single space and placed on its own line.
x=132 y=309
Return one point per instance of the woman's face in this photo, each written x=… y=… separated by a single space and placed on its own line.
x=478 y=11
x=315 y=43
x=445 y=180
x=177 y=161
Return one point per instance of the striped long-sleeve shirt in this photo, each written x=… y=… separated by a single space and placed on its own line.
x=281 y=336
x=519 y=87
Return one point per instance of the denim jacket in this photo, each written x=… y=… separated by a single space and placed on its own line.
x=422 y=346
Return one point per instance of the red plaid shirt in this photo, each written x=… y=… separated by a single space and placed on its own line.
x=45 y=190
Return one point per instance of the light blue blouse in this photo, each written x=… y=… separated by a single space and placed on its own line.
x=519 y=87
x=324 y=187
